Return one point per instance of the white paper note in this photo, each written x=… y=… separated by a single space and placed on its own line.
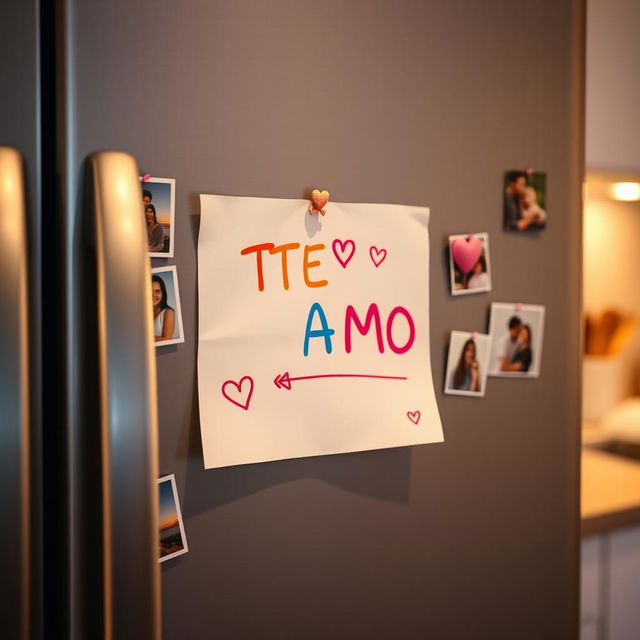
x=313 y=331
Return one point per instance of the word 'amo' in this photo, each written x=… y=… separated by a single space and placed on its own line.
x=351 y=319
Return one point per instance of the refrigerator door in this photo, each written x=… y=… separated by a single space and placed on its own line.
x=20 y=88
x=15 y=472
x=407 y=101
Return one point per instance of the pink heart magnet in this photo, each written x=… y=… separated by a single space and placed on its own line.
x=414 y=416
x=377 y=255
x=466 y=253
x=239 y=393
x=343 y=250
x=318 y=200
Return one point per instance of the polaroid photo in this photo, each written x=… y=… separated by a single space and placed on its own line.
x=469 y=264
x=516 y=340
x=524 y=196
x=159 y=203
x=167 y=314
x=467 y=364
x=172 y=539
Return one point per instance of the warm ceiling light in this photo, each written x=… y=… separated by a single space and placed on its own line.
x=625 y=191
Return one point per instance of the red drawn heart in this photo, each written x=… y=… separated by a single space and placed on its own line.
x=343 y=251
x=414 y=416
x=377 y=255
x=466 y=253
x=241 y=393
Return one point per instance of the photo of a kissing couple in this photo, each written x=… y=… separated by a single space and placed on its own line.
x=524 y=201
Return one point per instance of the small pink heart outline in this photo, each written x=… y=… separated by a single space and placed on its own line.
x=378 y=256
x=414 y=416
x=340 y=251
x=244 y=397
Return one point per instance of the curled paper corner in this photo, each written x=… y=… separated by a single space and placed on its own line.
x=318 y=200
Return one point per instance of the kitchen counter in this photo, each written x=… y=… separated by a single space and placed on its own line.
x=611 y=483
x=610 y=491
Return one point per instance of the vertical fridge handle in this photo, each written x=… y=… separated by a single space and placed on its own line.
x=128 y=403
x=14 y=396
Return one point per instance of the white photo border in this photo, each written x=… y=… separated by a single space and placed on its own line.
x=451 y=365
x=515 y=307
x=172 y=214
x=484 y=239
x=171 y=477
x=180 y=337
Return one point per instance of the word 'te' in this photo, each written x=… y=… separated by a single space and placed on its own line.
x=282 y=249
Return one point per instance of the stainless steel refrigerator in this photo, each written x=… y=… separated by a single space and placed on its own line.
x=407 y=101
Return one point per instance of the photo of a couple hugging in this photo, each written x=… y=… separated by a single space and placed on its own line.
x=515 y=351
x=516 y=332
x=524 y=199
x=158 y=203
x=155 y=232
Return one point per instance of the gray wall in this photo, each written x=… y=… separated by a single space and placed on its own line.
x=613 y=86
x=409 y=102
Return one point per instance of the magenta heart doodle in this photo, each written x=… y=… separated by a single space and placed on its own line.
x=343 y=250
x=414 y=416
x=239 y=393
x=377 y=255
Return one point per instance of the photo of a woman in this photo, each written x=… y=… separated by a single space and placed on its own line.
x=155 y=232
x=466 y=377
x=167 y=317
x=164 y=317
x=478 y=278
x=467 y=364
